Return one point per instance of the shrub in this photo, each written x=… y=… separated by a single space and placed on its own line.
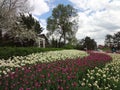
x=68 y=46
x=6 y=52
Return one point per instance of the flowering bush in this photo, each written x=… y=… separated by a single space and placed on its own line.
x=56 y=75
x=105 y=78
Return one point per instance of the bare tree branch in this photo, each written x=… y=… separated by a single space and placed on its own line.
x=9 y=9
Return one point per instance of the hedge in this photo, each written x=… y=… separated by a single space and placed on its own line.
x=7 y=52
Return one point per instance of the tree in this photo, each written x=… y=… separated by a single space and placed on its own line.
x=0 y=37
x=62 y=23
x=54 y=43
x=87 y=43
x=25 y=30
x=30 y=23
x=9 y=9
x=108 y=40
x=113 y=40
x=116 y=40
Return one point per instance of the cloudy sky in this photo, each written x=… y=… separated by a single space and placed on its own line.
x=96 y=17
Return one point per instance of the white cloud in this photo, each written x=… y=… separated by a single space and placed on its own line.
x=39 y=7
x=98 y=18
x=43 y=24
x=90 y=4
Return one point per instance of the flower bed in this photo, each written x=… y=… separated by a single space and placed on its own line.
x=8 y=65
x=56 y=75
x=106 y=78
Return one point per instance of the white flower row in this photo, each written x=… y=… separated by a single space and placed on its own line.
x=105 y=78
x=34 y=58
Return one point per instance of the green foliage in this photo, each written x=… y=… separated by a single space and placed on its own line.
x=118 y=86
x=79 y=47
x=23 y=33
x=113 y=40
x=116 y=40
x=27 y=20
x=87 y=43
x=30 y=23
x=108 y=39
x=0 y=34
x=54 y=43
x=68 y=46
x=0 y=37
x=63 y=22
x=6 y=43
x=106 y=49
x=7 y=52
x=90 y=44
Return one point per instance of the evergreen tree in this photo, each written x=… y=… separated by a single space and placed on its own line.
x=31 y=23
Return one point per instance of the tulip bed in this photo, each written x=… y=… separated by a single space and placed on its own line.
x=106 y=78
x=35 y=58
x=56 y=70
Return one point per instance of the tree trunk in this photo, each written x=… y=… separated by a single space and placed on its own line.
x=0 y=37
x=60 y=40
x=64 y=38
x=0 y=34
